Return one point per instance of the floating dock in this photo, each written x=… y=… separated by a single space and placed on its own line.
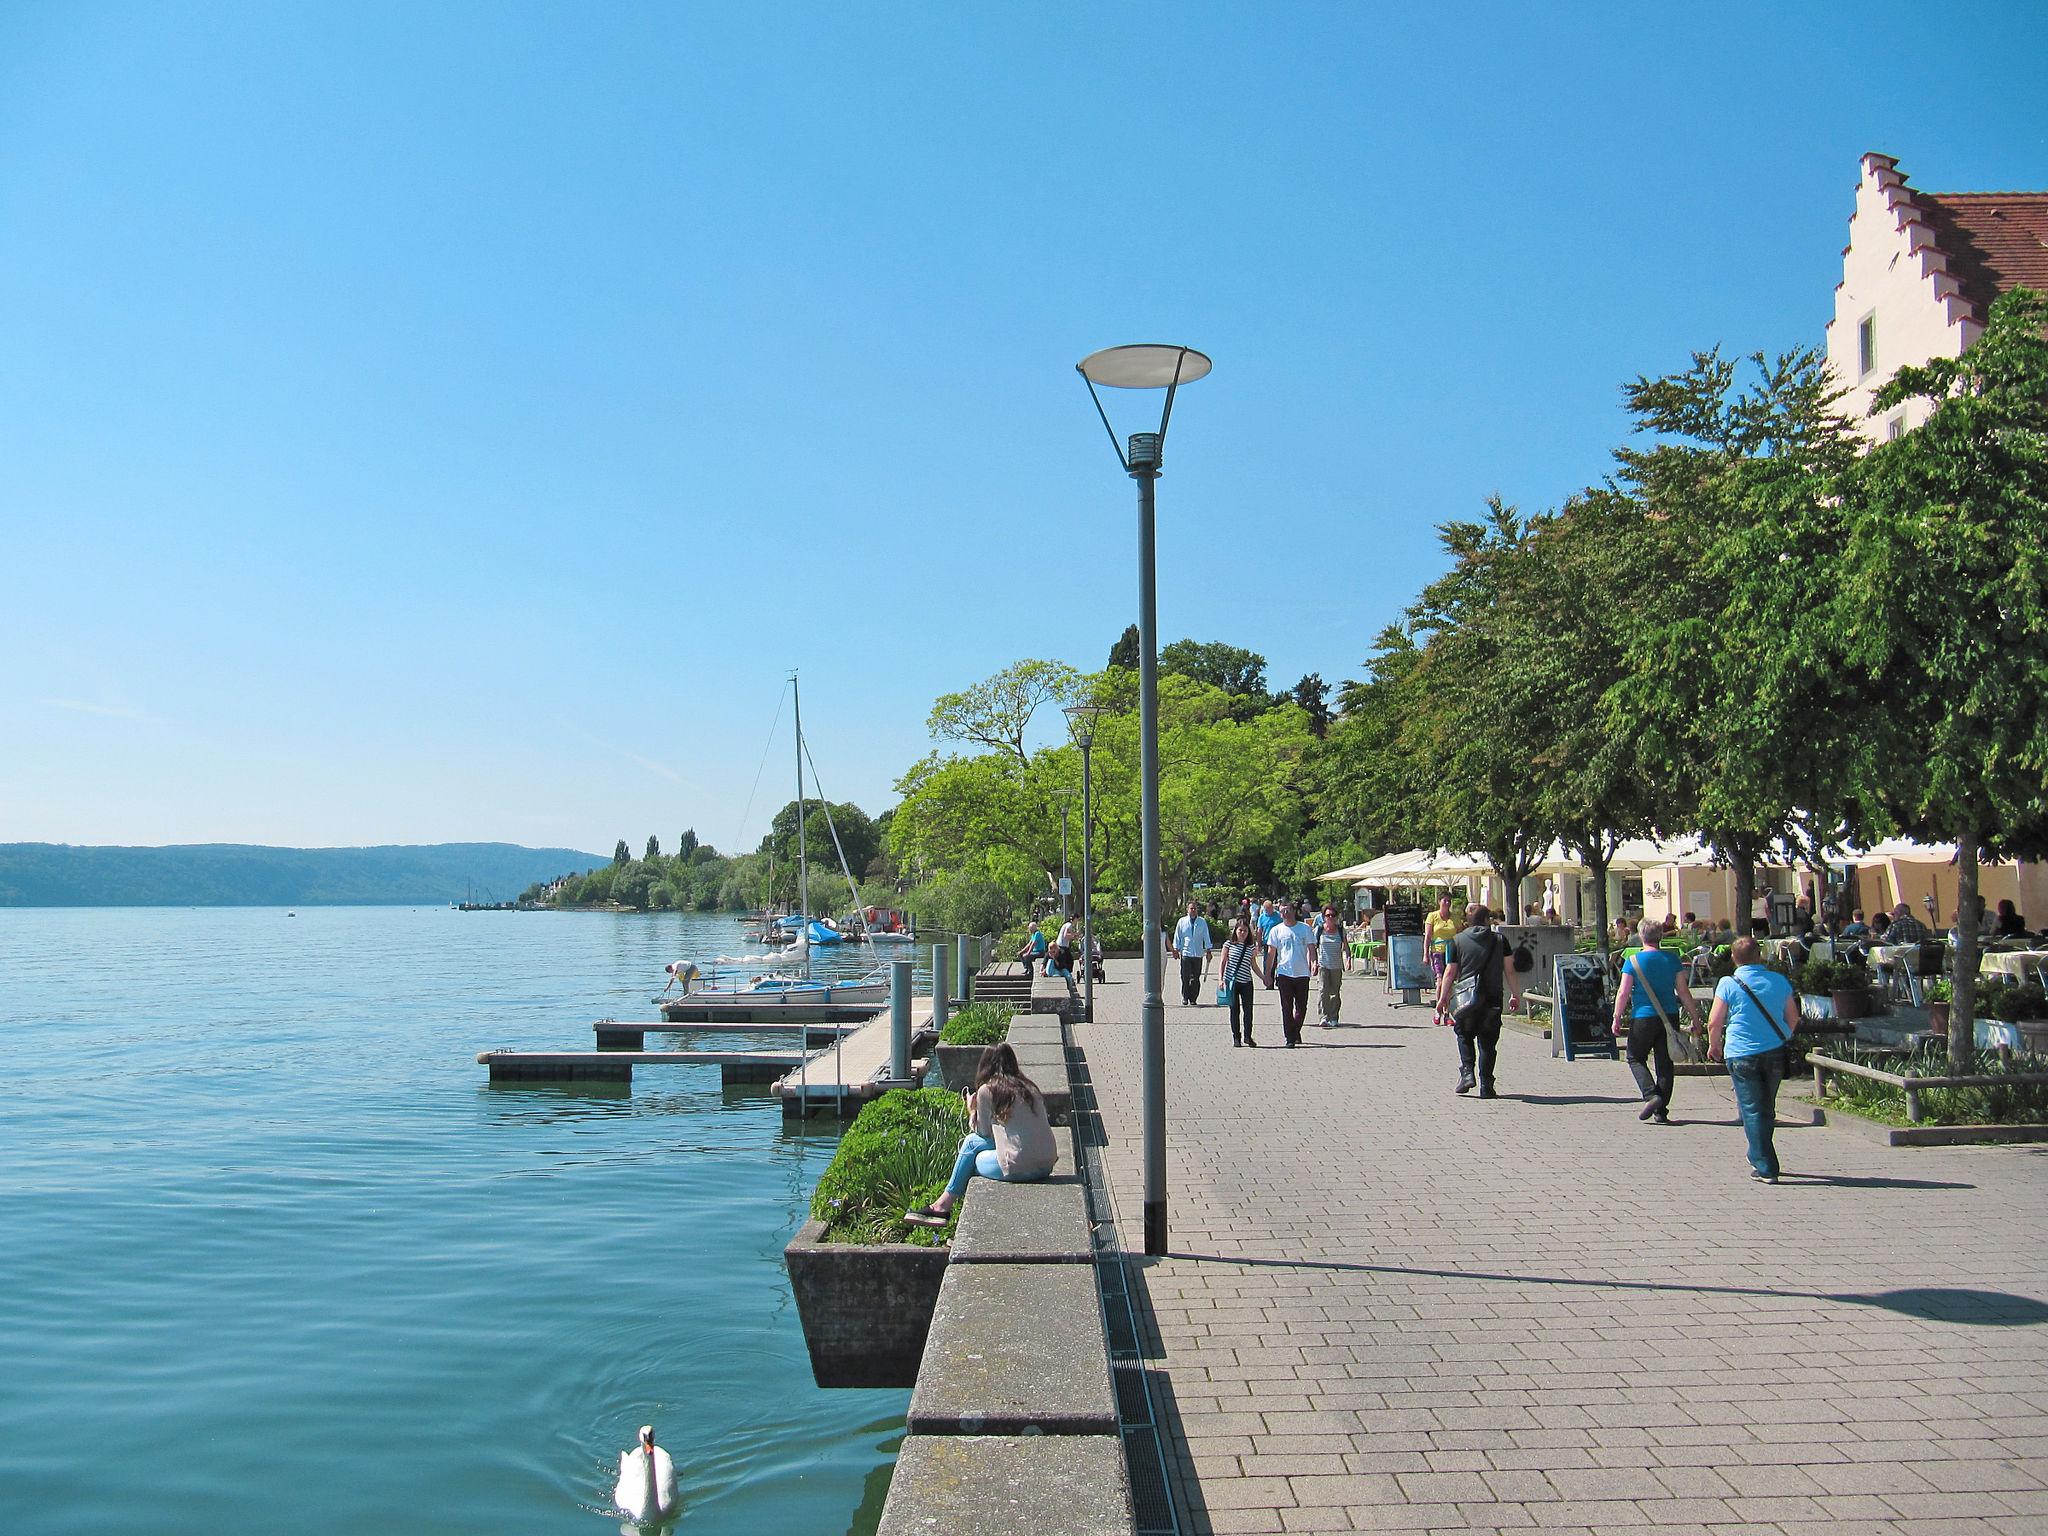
x=617 y=1066
x=631 y=1035
x=739 y=1012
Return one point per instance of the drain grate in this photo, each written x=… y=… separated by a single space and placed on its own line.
x=1144 y=1450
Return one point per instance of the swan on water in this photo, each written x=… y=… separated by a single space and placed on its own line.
x=647 y=1481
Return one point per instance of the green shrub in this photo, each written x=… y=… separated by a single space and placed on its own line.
x=978 y=1024
x=1119 y=930
x=895 y=1157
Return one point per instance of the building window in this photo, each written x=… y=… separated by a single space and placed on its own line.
x=1895 y=429
x=1866 y=345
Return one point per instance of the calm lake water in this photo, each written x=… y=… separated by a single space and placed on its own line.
x=273 y=1254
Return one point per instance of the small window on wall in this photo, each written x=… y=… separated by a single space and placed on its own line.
x=1866 y=344
x=1895 y=429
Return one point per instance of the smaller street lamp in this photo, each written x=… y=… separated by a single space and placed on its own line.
x=1081 y=720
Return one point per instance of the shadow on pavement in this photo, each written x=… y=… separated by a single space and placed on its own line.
x=1945 y=1304
x=1569 y=1098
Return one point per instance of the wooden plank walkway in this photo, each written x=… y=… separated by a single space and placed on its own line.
x=850 y=1071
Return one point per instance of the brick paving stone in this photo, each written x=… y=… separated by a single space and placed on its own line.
x=1391 y=1308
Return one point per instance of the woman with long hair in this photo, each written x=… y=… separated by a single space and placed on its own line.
x=1009 y=1134
x=1243 y=963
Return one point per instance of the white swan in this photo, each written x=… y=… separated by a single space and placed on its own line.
x=647 y=1481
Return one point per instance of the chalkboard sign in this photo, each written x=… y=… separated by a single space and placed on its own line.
x=1581 y=1019
x=1407 y=963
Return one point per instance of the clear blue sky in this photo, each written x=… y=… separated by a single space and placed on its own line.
x=432 y=422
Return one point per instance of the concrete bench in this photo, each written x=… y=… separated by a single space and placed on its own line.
x=1046 y=1065
x=1009 y=1485
x=1027 y=1030
x=1054 y=994
x=1042 y=1222
x=1015 y=1349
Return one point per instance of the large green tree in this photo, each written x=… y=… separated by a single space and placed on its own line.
x=1947 y=609
x=997 y=712
x=1737 y=694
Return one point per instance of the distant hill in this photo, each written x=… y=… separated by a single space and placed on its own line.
x=242 y=875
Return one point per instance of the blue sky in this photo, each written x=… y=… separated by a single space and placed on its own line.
x=424 y=423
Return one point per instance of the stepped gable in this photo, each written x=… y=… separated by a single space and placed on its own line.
x=1972 y=246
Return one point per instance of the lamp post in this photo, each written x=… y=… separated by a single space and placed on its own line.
x=1167 y=368
x=1066 y=884
x=1081 y=722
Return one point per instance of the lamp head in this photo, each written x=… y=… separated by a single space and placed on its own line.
x=1081 y=720
x=1142 y=367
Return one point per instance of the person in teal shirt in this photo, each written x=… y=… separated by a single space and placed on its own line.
x=1653 y=993
x=1755 y=1015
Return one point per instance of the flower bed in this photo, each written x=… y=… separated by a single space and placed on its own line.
x=895 y=1157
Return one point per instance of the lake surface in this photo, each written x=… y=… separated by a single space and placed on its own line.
x=272 y=1253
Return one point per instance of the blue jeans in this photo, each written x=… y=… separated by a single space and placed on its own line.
x=1755 y=1080
x=977 y=1155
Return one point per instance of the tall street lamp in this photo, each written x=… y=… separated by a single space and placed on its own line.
x=1081 y=720
x=1167 y=368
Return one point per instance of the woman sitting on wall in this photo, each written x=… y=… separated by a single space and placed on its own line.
x=1009 y=1137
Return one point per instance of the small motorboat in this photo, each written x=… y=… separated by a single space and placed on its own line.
x=779 y=990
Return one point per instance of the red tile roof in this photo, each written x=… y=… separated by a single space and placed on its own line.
x=1994 y=241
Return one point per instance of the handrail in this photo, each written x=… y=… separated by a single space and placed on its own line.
x=1914 y=1086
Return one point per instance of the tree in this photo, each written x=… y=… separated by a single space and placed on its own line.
x=687 y=843
x=1230 y=668
x=621 y=854
x=653 y=847
x=857 y=836
x=996 y=713
x=1470 y=748
x=1735 y=678
x=1947 y=608
x=1313 y=695
x=1125 y=652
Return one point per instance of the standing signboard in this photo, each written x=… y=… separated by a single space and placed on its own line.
x=1581 y=1019
x=1407 y=958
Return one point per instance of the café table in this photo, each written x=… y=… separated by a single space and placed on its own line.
x=2014 y=964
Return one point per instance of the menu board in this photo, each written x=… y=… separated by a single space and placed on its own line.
x=1581 y=1018
x=1407 y=960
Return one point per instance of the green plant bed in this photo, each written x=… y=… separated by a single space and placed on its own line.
x=895 y=1156
x=978 y=1024
x=1997 y=1104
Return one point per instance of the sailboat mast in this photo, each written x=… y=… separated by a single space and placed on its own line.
x=803 y=871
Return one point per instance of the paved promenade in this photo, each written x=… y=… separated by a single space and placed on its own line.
x=1391 y=1308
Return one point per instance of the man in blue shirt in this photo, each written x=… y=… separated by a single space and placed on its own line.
x=1652 y=993
x=1754 y=1017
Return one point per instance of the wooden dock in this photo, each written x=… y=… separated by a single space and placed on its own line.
x=849 y=1072
x=617 y=1066
x=687 y=1012
x=631 y=1035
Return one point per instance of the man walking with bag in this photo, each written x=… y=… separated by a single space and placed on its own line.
x=1191 y=942
x=1652 y=990
x=1475 y=979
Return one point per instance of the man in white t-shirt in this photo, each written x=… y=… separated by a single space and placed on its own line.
x=1191 y=941
x=1290 y=962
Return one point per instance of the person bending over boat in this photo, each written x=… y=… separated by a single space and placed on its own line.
x=1009 y=1137
x=681 y=970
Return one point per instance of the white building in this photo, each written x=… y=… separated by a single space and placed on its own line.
x=1918 y=277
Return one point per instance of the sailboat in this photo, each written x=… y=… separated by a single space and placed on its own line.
x=783 y=988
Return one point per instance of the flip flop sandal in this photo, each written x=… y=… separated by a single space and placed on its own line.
x=925 y=1216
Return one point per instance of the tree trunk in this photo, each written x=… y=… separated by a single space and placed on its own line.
x=1962 y=1014
x=1745 y=883
x=1597 y=863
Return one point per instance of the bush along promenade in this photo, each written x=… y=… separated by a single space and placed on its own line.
x=994 y=1321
